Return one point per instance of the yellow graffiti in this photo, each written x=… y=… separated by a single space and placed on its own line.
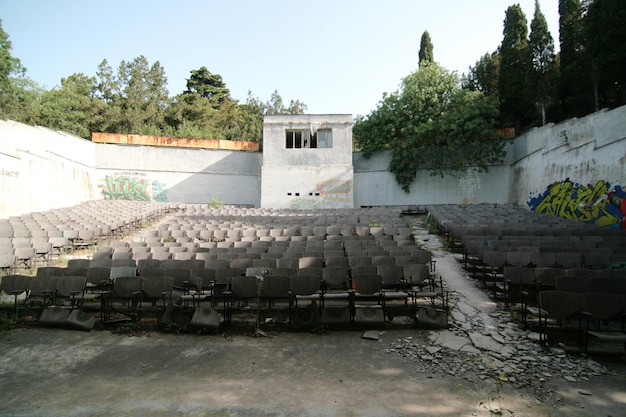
x=577 y=202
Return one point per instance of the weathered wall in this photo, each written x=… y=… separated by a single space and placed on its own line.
x=566 y=169
x=41 y=169
x=303 y=177
x=375 y=185
x=570 y=169
x=178 y=174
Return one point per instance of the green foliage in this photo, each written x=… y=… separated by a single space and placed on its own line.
x=576 y=91
x=544 y=62
x=426 y=49
x=431 y=123
x=515 y=70
x=605 y=37
x=484 y=76
x=216 y=203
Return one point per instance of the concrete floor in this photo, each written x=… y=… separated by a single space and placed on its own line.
x=54 y=372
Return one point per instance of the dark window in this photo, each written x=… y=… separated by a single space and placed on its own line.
x=305 y=139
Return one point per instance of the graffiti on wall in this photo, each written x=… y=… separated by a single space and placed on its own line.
x=330 y=193
x=132 y=186
x=599 y=203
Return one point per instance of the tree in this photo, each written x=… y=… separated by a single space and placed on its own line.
x=515 y=69
x=207 y=85
x=71 y=107
x=484 y=76
x=18 y=94
x=576 y=89
x=605 y=31
x=543 y=59
x=144 y=96
x=426 y=49
x=431 y=123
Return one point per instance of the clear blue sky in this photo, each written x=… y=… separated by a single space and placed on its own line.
x=336 y=56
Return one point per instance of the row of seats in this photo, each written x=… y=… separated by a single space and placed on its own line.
x=40 y=238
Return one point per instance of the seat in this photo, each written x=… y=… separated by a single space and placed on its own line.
x=157 y=290
x=559 y=316
x=335 y=278
x=276 y=295
x=336 y=261
x=43 y=289
x=604 y=315
x=310 y=262
x=98 y=278
x=392 y=275
x=7 y=263
x=124 y=297
x=15 y=285
x=25 y=256
x=519 y=287
x=367 y=296
x=70 y=289
x=243 y=294
x=568 y=259
x=383 y=260
x=575 y=284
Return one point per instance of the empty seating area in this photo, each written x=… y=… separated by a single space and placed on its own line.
x=300 y=267
x=38 y=239
x=522 y=258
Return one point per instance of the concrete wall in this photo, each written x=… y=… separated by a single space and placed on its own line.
x=566 y=169
x=41 y=169
x=304 y=177
x=178 y=174
x=375 y=185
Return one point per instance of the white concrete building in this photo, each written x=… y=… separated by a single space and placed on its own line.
x=307 y=161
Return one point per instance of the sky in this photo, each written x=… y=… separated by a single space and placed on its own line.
x=335 y=56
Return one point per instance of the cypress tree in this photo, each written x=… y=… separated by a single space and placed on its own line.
x=542 y=47
x=515 y=70
x=426 y=49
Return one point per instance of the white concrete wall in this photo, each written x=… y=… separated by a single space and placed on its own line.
x=375 y=185
x=302 y=177
x=585 y=151
x=179 y=174
x=41 y=169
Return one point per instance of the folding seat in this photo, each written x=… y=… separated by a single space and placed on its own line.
x=288 y=262
x=543 y=259
x=124 y=297
x=383 y=260
x=336 y=261
x=392 y=275
x=15 y=285
x=359 y=260
x=71 y=289
x=80 y=271
x=43 y=289
x=157 y=289
x=604 y=314
x=574 y=284
x=50 y=270
x=241 y=263
x=568 y=259
x=24 y=256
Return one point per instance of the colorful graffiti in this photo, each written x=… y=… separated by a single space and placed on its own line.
x=598 y=204
x=331 y=193
x=126 y=187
